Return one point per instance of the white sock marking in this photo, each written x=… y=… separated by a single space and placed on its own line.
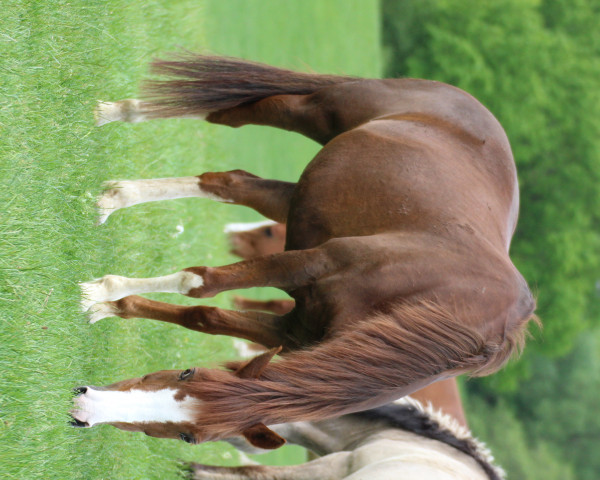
x=114 y=287
x=133 y=406
x=125 y=193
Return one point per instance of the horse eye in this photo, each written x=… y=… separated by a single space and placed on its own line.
x=187 y=438
x=186 y=373
x=268 y=232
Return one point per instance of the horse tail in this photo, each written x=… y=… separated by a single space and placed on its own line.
x=199 y=84
x=385 y=357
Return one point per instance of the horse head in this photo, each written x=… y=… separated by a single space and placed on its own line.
x=255 y=239
x=164 y=404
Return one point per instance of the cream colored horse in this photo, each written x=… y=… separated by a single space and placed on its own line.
x=402 y=440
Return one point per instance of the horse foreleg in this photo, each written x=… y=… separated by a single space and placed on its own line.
x=286 y=270
x=257 y=327
x=335 y=466
x=269 y=197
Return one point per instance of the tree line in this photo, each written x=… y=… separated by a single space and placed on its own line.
x=536 y=65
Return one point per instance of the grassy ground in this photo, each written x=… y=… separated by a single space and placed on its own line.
x=57 y=58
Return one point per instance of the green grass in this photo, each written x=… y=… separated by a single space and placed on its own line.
x=57 y=59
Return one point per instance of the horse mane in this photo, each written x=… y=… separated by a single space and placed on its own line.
x=375 y=361
x=411 y=416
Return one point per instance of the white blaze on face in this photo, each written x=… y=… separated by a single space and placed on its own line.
x=246 y=227
x=134 y=406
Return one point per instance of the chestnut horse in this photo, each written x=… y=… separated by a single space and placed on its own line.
x=396 y=252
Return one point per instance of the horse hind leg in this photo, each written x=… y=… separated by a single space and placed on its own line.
x=237 y=92
x=198 y=85
x=269 y=197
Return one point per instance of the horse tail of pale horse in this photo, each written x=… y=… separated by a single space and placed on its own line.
x=195 y=85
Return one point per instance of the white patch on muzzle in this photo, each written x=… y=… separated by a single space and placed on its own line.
x=133 y=406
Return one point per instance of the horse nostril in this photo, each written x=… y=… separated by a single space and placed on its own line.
x=80 y=390
x=78 y=424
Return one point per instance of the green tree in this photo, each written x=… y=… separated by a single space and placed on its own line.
x=521 y=457
x=559 y=403
x=536 y=66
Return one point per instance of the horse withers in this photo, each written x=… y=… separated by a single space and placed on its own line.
x=396 y=252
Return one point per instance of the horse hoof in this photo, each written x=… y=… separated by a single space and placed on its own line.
x=116 y=195
x=102 y=310
x=99 y=291
x=107 y=112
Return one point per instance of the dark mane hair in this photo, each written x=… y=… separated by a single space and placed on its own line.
x=410 y=416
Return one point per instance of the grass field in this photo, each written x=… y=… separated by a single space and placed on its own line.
x=57 y=59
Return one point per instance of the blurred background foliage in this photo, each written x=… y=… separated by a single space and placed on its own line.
x=536 y=65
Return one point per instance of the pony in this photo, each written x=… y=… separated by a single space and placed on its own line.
x=396 y=252
x=407 y=438
x=255 y=239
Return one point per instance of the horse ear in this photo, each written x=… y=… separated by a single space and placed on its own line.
x=261 y=436
x=255 y=366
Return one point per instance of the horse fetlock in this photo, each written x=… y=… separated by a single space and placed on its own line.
x=195 y=282
x=222 y=186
